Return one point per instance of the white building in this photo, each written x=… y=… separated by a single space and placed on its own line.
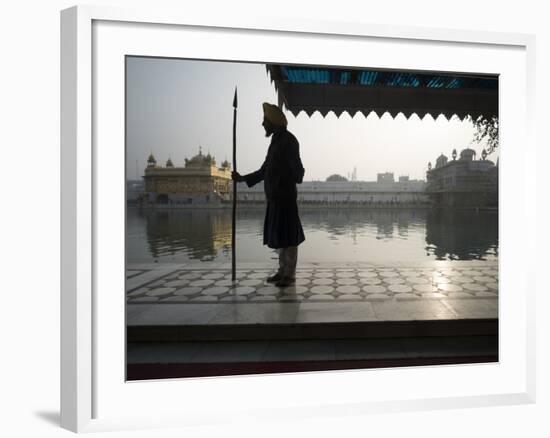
x=355 y=192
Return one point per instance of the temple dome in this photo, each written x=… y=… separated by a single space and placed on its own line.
x=441 y=160
x=467 y=154
x=200 y=160
x=169 y=163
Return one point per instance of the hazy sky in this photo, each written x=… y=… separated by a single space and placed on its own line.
x=176 y=105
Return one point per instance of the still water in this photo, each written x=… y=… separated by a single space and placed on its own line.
x=374 y=236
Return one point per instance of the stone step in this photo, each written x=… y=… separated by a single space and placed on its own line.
x=327 y=330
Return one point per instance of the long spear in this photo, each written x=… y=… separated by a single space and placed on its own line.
x=234 y=219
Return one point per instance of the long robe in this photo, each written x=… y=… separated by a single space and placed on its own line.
x=281 y=171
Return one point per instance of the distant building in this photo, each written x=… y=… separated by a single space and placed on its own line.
x=463 y=182
x=386 y=177
x=404 y=178
x=336 y=177
x=135 y=190
x=199 y=181
x=349 y=192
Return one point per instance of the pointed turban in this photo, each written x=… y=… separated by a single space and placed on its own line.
x=274 y=114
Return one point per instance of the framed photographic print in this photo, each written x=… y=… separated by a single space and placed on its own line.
x=264 y=208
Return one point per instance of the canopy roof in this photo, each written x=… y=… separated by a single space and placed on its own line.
x=325 y=89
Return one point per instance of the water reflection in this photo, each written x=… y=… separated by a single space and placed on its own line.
x=201 y=234
x=383 y=235
x=462 y=234
x=378 y=223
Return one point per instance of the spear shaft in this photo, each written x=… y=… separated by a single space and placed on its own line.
x=234 y=218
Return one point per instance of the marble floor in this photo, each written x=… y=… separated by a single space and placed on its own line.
x=320 y=284
x=205 y=293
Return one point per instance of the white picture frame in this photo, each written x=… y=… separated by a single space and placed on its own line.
x=86 y=374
